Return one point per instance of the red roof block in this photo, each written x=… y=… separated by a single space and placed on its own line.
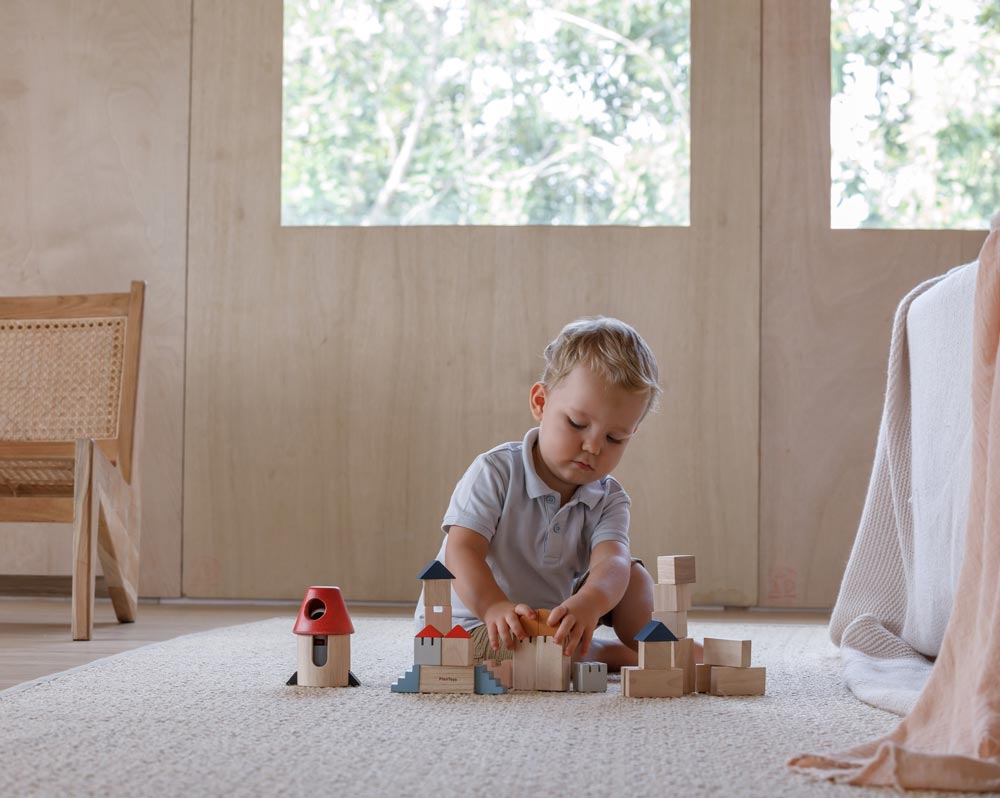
x=458 y=631
x=323 y=612
x=429 y=631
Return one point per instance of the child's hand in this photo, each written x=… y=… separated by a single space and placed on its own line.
x=503 y=623
x=576 y=618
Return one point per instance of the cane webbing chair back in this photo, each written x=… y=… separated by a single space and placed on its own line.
x=68 y=370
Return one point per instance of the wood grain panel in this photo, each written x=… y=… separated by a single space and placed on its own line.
x=827 y=301
x=340 y=380
x=93 y=194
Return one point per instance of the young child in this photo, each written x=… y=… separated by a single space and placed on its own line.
x=541 y=523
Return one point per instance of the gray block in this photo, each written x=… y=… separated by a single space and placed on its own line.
x=427 y=650
x=590 y=677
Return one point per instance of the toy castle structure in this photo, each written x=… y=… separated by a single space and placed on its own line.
x=442 y=653
x=666 y=654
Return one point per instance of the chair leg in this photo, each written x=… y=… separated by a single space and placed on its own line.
x=84 y=542
x=119 y=562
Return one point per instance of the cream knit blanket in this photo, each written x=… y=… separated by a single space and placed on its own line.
x=899 y=585
x=950 y=740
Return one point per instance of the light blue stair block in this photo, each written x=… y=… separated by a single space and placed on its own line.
x=409 y=682
x=486 y=684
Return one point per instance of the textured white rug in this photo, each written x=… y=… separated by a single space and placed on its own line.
x=210 y=715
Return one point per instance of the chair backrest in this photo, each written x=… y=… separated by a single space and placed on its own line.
x=69 y=369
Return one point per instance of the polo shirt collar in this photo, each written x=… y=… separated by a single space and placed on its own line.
x=590 y=494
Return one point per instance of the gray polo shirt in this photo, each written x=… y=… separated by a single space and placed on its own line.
x=537 y=548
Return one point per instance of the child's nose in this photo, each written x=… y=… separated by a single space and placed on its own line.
x=591 y=446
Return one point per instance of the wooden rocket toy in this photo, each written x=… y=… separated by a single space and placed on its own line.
x=323 y=629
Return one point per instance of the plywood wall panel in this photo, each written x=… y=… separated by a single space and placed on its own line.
x=827 y=302
x=93 y=193
x=340 y=380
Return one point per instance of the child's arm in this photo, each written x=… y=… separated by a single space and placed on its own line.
x=579 y=615
x=466 y=556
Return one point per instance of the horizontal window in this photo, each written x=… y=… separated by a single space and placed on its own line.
x=552 y=112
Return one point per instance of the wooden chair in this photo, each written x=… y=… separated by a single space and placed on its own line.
x=69 y=368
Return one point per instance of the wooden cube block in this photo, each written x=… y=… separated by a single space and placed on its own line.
x=447 y=679
x=551 y=666
x=738 y=681
x=439 y=616
x=639 y=683
x=657 y=655
x=675 y=569
x=437 y=593
x=427 y=650
x=702 y=678
x=672 y=598
x=676 y=622
x=730 y=653
x=590 y=677
x=456 y=651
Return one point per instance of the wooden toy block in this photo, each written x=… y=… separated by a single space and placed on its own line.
x=590 y=677
x=502 y=671
x=672 y=598
x=551 y=666
x=676 y=622
x=538 y=627
x=323 y=660
x=702 y=678
x=654 y=631
x=437 y=593
x=439 y=617
x=729 y=653
x=675 y=569
x=656 y=655
x=435 y=570
x=409 y=682
x=427 y=650
x=447 y=679
x=639 y=683
x=456 y=647
x=683 y=658
x=525 y=665
x=738 y=681
x=542 y=624
x=486 y=684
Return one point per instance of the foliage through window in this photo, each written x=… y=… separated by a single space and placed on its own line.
x=556 y=112
x=915 y=118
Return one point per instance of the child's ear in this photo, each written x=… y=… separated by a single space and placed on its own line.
x=537 y=400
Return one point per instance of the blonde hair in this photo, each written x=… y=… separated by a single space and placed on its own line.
x=611 y=348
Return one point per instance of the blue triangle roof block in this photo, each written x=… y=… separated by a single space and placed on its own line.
x=435 y=570
x=655 y=632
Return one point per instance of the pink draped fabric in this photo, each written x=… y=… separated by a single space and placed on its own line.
x=951 y=738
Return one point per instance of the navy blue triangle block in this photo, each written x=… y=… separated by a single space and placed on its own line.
x=655 y=632
x=435 y=570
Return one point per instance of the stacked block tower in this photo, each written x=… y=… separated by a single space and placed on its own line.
x=442 y=653
x=669 y=648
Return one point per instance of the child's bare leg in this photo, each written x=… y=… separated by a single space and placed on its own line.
x=632 y=613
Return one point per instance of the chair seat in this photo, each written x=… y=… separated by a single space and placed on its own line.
x=36 y=477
